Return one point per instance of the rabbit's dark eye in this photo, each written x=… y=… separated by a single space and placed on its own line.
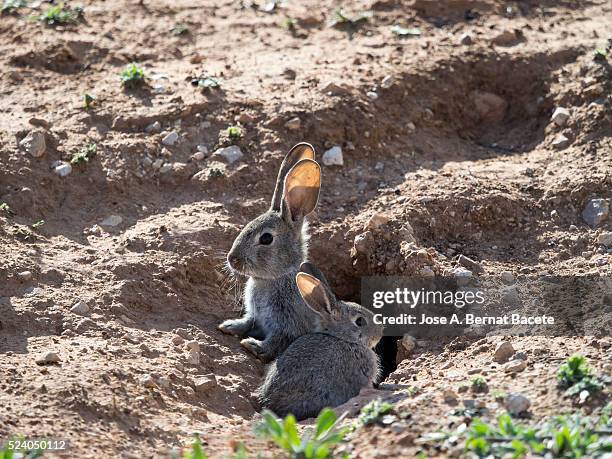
x=266 y=239
x=360 y=321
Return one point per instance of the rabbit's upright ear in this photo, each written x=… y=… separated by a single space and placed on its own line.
x=301 y=190
x=300 y=151
x=314 y=293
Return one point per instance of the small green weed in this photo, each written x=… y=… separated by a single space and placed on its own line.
x=234 y=132
x=577 y=378
x=11 y=6
x=179 y=29
x=195 y=451
x=7 y=453
x=289 y=23
x=84 y=154
x=38 y=224
x=341 y=18
x=57 y=15
x=406 y=31
x=373 y=411
x=315 y=444
x=88 y=100
x=132 y=76
x=6 y=209
x=479 y=384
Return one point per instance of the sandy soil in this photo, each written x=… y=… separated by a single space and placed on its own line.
x=448 y=133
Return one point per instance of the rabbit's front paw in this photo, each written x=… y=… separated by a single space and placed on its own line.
x=256 y=348
x=238 y=327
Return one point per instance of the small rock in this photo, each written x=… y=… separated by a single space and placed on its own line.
x=164 y=382
x=503 y=352
x=147 y=381
x=408 y=343
x=411 y=126
x=363 y=242
x=80 y=308
x=560 y=116
x=333 y=157
x=596 y=211
x=506 y=38
x=515 y=366
x=158 y=163
x=165 y=168
x=231 y=154
x=605 y=239
x=293 y=124
x=507 y=277
x=372 y=95
x=177 y=340
x=34 y=143
x=153 y=127
x=111 y=220
x=377 y=220
x=516 y=404
x=204 y=384
x=490 y=107
x=25 y=276
x=147 y=162
x=462 y=275
x=198 y=156
x=193 y=357
x=470 y=264
x=387 y=82
x=465 y=39
x=449 y=396
x=202 y=149
x=63 y=169
x=510 y=295
x=560 y=142
x=520 y=356
x=47 y=358
x=170 y=139
x=193 y=346
x=426 y=271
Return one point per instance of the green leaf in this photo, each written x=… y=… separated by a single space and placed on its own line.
x=325 y=422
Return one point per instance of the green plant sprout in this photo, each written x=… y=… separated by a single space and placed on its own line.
x=371 y=412
x=234 y=132
x=57 y=15
x=132 y=76
x=84 y=154
x=315 y=444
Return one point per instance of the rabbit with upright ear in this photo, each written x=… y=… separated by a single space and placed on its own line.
x=328 y=367
x=269 y=250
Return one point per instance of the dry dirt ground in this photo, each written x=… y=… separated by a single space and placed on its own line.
x=456 y=146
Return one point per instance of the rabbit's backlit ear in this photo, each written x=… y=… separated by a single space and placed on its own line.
x=300 y=151
x=314 y=293
x=301 y=190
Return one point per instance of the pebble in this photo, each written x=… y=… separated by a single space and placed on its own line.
x=231 y=154
x=560 y=116
x=426 y=271
x=510 y=295
x=506 y=38
x=333 y=156
x=372 y=95
x=466 y=39
x=25 y=276
x=560 y=142
x=202 y=148
x=503 y=352
x=205 y=383
x=387 y=82
x=449 y=396
x=193 y=346
x=80 y=308
x=377 y=220
x=507 y=277
x=605 y=239
x=158 y=163
x=34 y=143
x=193 y=357
x=198 y=156
x=63 y=169
x=293 y=124
x=411 y=126
x=153 y=127
x=165 y=168
x=177 y=340
x=470 y=264
x=516 y=403
x=408 y=343
x=515 y=366
x=170 y=139
x=147 y=381
x=147 y=162
x=596 y=211
x=111 y=220
x=462 y=275
x=363 y=242
x=47 y=358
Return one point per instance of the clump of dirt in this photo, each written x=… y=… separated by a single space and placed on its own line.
x=449 y=151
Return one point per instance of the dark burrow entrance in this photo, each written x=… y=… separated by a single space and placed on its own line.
x=387 y=353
